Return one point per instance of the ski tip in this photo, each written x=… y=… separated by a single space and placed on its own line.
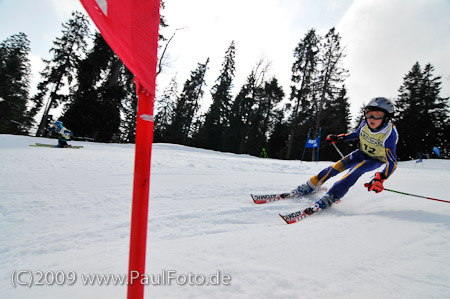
x=257 y=201
x=287 y=222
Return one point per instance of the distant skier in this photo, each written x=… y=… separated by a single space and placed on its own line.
x=378 y=138
x=64 y=134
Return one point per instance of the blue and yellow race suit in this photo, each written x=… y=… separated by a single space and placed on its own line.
x=64 y=136
x=376 y=148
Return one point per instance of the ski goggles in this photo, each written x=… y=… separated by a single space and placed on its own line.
x=377 y=115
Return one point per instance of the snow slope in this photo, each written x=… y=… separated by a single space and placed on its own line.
x=68 y=210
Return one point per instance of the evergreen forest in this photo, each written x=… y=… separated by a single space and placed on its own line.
x=98 y=99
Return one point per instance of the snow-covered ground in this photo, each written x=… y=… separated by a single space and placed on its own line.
x=66 y=212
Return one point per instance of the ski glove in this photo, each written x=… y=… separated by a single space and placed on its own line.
x=333 y=138
x=376 y=184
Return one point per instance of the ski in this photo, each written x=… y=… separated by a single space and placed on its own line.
x=300 y=215
x=295 y=216
x=42 y=145
x=266 y=198
x=54 y=146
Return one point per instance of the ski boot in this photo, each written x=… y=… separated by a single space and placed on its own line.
x=302 y=190
x=312 y=209
x=326 y=201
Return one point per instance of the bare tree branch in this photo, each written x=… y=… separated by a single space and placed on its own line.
x=161 y=59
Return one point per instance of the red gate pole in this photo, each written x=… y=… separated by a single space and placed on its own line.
x=141 y=190
x=131 y=29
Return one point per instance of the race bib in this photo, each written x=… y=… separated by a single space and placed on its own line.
x=372 y=144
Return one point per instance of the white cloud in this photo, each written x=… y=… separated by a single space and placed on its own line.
x=65 y=7
x=384 y=38
x=37 y=66
x=260 y=28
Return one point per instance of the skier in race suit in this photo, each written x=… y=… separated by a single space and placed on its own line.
x=64 y=134
x=378 y=138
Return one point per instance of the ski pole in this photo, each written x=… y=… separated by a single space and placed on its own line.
x=390 y=190
x=337 y=149
x=404 y=193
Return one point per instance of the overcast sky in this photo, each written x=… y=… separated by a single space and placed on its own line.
x=383 y=38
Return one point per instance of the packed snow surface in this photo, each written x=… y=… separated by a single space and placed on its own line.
x=66 y=213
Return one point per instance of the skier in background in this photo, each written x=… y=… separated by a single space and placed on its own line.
x=378 y=139
x=64 y=134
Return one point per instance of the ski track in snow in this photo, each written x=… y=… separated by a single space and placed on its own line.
x=69 y=210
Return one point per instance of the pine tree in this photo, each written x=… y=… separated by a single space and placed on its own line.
x=253 y=114
x=129 y=109
x=359 y=117
x=273 y=95
x=165 y=108
x=317 y=77
x=304 y=74
x=243 y=109
x=60 y=71
x=421 y=114
x=15 y=84
x=263 y=116
x=332 y=75
x=162 y=20
x=277 y=143
x=212 y=132
x=97 y=101
x=337 y=114
x=183 y=118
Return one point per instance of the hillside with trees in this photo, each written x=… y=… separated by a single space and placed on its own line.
x=97 y=97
